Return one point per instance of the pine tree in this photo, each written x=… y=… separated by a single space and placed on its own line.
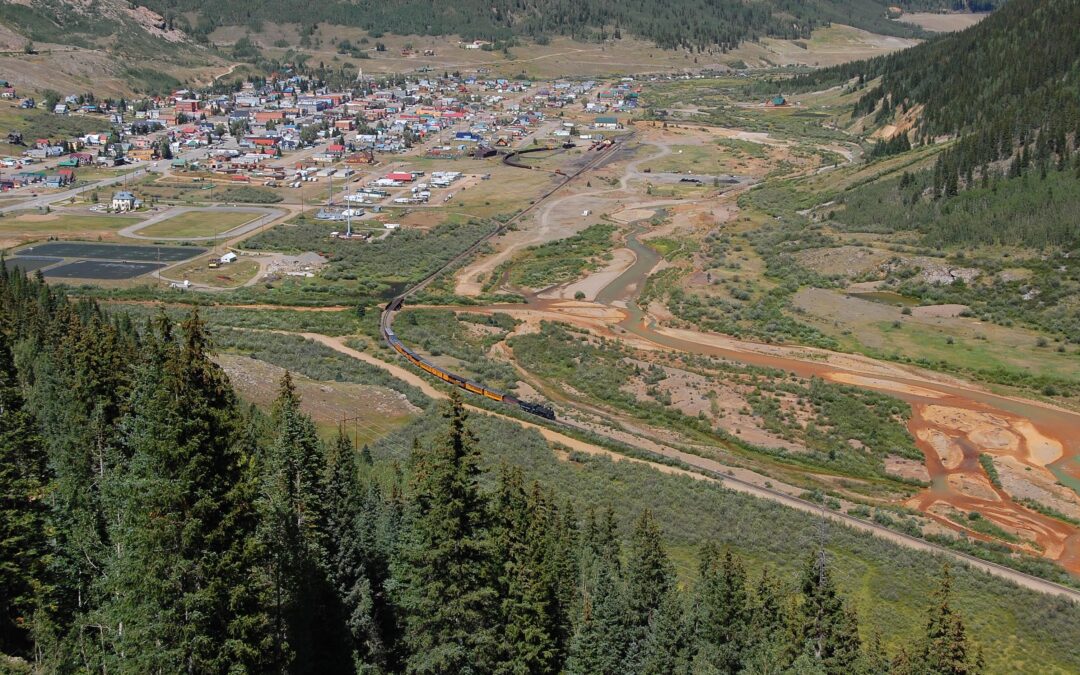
x=945 y=649
x=178 y=593
x=827 y=630
x=446 y=566
x=293 y=532
x=24 y=552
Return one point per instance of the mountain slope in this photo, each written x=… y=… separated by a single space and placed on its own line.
x=1006 y=93
x=1020 y=66
x=675 y=23
x=111 y=47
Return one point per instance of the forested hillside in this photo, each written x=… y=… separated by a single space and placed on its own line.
x=153 y=524
x=696 y=24
x=1005 y=96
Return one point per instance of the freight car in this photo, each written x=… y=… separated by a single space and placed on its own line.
x=451 y=378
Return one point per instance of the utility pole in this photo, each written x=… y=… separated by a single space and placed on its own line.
x=354 y=420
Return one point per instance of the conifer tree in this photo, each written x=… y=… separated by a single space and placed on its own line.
x=294 y=539
x=768 y=648
x=946 y=648
x=721 y=612
x=650 y=578
x=24 y=551
x=178 y=593
x=528 y=591
x=827 y=630
x=668 y=648
x=446 y=567
x=604 y=636
x=349 y=557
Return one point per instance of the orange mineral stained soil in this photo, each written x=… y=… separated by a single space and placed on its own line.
x=953 y=422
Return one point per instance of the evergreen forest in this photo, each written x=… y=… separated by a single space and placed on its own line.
x=689 y=24
x=152 y=523
x=1003 y=99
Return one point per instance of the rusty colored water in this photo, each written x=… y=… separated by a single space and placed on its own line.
x=1054 y=539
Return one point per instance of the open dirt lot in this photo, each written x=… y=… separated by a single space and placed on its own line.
x=326 y=402
x=943 y=22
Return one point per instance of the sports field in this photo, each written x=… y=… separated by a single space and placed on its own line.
x=200 y=223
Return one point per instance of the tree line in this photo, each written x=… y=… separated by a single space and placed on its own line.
x=688 y=24
x=152 y=523
x=1007 y=91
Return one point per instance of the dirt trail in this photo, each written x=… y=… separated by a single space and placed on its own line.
x=714 y=473
x=549 y=225
x=978 y=422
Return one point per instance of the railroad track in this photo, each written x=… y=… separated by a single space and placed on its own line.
x=386 y=320
x=387 y=317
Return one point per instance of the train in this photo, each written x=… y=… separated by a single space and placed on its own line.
x=468 y=385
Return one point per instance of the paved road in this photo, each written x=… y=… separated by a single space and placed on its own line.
x=42 y=201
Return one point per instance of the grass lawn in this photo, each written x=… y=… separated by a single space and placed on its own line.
x=199 y=224
x=60 y=223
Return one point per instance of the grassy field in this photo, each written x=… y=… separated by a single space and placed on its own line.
x=199 y=224
x=46 y=224
x=373 y=411
x=39 y=123
x=562 y=260
x=1018 y=630
x=227 y=276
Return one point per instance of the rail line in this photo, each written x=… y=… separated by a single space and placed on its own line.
x=1023 y=579
x=386 y=320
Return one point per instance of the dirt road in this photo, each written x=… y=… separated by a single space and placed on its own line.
x=708 y=470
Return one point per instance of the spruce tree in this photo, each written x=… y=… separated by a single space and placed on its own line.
x=668 y=648
x=349 y=558
x=721 y=612
x=768 y=648
x=305 y=610
x=446 y=568
x=528 y=592
x=24 y=551
x=178 y=594
x=604 y=636
x=827 y=630
x=946 y=650
x=649 y=577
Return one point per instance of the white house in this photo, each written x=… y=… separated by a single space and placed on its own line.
x=123 y=201
x=228 y=258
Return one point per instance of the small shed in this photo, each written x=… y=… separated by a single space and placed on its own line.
x=228 y=258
